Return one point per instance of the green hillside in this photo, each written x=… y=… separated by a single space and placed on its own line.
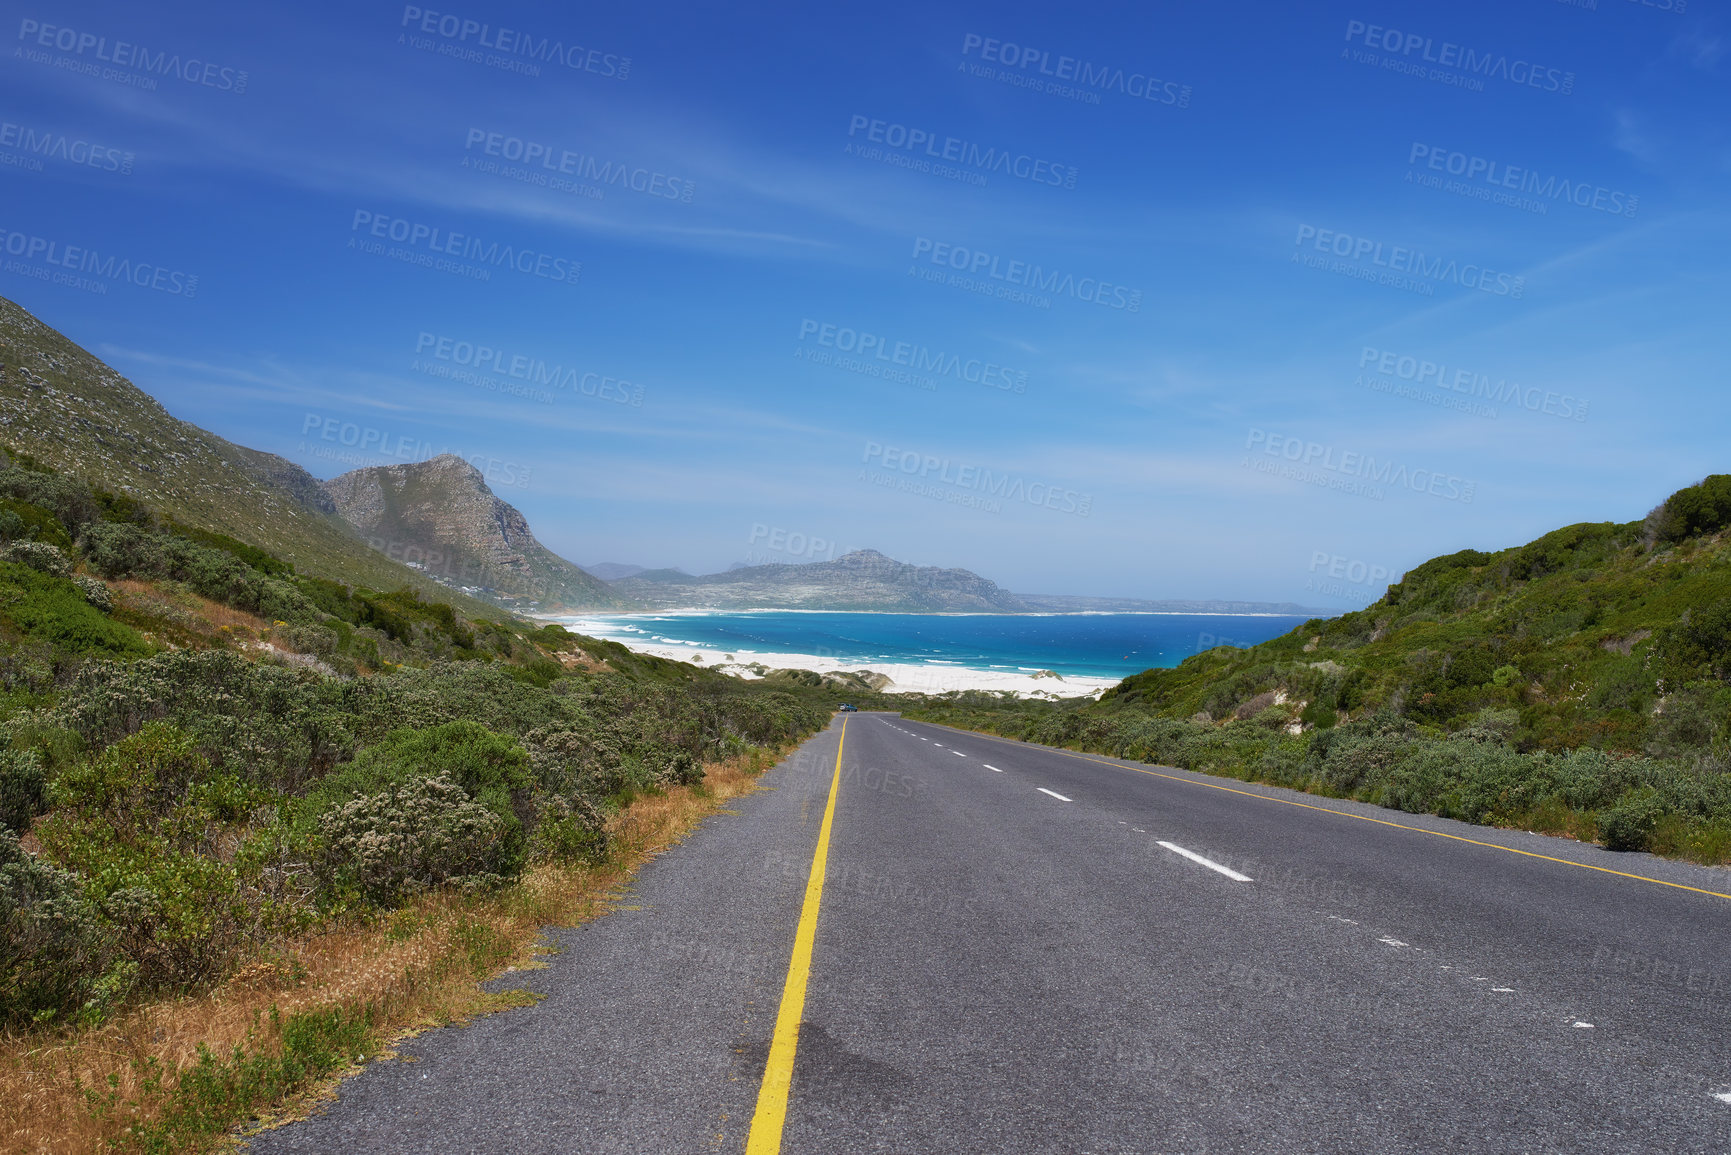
x=1579 y=683
x=62 y=406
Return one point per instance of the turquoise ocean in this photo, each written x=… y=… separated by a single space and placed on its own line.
x=1090 y=645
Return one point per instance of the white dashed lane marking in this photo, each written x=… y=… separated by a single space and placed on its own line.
x=1054 y=794
x=1211 y=865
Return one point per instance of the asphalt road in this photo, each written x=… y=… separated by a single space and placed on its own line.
x=1026 y=950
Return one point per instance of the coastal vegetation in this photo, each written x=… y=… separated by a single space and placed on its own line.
x=214 y=767
x=1577 y=685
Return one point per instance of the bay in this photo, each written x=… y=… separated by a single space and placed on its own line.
x=1087 y=645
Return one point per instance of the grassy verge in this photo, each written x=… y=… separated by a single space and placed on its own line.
x=183 y=1074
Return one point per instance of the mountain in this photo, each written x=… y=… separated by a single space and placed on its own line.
x=1067 y=604
x=69 y=410
x=439 y=517
x=862 y=580
x=612 y=571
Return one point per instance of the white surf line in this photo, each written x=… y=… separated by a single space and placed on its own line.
x=1054 y=794
x=1200 y=861
x=991 y=767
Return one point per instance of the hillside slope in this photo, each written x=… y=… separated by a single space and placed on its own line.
x=1596 y=634
x=862 y=580
x=439 y=516
x=66 y=408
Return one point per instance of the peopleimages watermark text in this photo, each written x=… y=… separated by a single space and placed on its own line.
x=1066 y=76
x=1352 y=471
x=535 y=373
x=1467 y=63
x=35 y=145
x=1467 y=382
x=1517 y=183
x=545 y=163
x=978 y=263
x=906 y=361
x=89 y=51
x=364 y=439
x=451 y=251
x=977 y=479
x=1402 y=265
x=86 y=268
x=924 y=146
x=511 y=46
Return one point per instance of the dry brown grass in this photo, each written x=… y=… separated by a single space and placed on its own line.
x=415 y=968
x=180 y=611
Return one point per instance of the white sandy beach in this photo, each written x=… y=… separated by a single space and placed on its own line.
x=905 y=677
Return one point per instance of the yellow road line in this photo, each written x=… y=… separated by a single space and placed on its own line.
x=771 y=1114
x=1341 y=813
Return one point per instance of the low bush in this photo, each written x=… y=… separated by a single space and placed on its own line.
x=54 y=953
x=23 y=788
x=52 y=609
x=1629 y=824
x=490 y=770
x=155 y=835
x=95 y=591
x=277 y=728
x=121 y=550
x=413 y=836
x=39 y=556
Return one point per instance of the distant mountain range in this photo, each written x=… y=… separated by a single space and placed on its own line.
x=867 y=580
x=862 y=580
x=612 y=571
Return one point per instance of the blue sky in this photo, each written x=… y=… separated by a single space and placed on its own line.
x=1152 y=300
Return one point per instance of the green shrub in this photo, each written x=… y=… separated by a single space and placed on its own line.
x=53 y=952
x=1698 y=509
x=410 y=837
x=1698 y=644
x=143 y=826
x=213 y=1094
x=23 y=788
x=39 y=556
x=54 y=610
x=569 y=829
x=490 y=769
x=318 y=641
x=71 y=503
x=276 y=727
x=95 y=591
x=22 y=520
x=119 y=550
x=1629 y=825
x=573 y=761
x=1690 y=720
